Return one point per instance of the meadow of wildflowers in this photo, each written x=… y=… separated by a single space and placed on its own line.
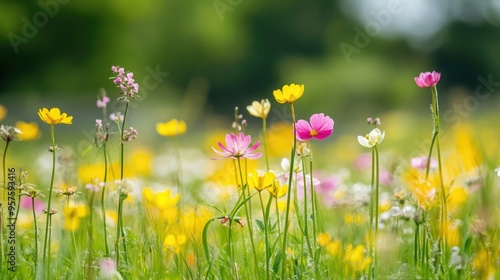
x=264 y=204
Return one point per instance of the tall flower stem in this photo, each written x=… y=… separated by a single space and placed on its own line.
x=265 y=215
x=90 y=232
x=4 y=201
x=443 y=197
x=374 y=212
x=377 y=192
x=306 y=219
x=35 y=262
x=120 y=230
x=244 y=187
x=48 y=230
x=103 y=207
x=288 y=197
x=315 y=216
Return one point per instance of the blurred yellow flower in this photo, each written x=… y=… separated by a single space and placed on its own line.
x=452 y=235
x=141 y=161
x=424 y=191
x=289 y=93
x=162 y=199
x=456 y=198
x=72 y=216
x=278 y=190
x=323 y=239
x=3 y=112
x=356 y=259
x=484 y=266
x=174 y=242
x=163 y=204
x=261 y=180
x=334 y=248
x=193 y=220
x=54 y=116
x=259 y=109
x=353 y=219
x=279 y=140
x=173 y=127
x=30 y=130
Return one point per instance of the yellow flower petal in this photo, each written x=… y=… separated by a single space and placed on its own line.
x=289 y=93
x=173 y=127
x=29 y=130
x=54 y=116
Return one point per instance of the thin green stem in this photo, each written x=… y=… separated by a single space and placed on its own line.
x=371 y=272
x=264 y=134
x=4 y=201
x=244 y=188
x=48 y=230
x=103 y=207
x=121 y=230
x=315 y=211
x=415 y=245
x=377 y=192
x=306 y=219
x=265 y=219
x=90 y=231
x=35 y=262
x=180 y=185
x=288 y=198
x=444 y=209
x=4 y=168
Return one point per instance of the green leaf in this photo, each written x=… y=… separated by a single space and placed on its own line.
x=260 y=224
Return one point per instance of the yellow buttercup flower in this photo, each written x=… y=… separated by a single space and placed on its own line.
x=278 y=190
x=30 y=130
x=174 y=242
x=54 y=116
x=173 y=127
x=323 y=239
x=260 y=180
x=73 y=214
x=289 y=93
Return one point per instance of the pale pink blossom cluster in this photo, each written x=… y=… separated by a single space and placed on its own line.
x=102 y=103
x=125 y=81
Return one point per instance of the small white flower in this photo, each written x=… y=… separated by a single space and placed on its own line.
x=497 y=170
x=259 y=109
x=408 y=211
x=297 y=166
x=372 y=139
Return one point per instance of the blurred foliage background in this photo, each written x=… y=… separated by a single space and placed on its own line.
x=357 y=58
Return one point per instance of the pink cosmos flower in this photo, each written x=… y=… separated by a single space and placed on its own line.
x=428 y=79
x=237 y=147
x=320 y=127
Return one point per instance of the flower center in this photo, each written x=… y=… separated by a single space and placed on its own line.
x=313 y=132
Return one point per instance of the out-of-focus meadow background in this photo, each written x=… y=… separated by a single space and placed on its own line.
x=197 y=60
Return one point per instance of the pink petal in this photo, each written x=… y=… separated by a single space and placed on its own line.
x=303 y=130
x=323 y=134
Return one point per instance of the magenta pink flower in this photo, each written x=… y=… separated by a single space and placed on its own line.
x=320 y=127
x=237 y=147
x=428 y=79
